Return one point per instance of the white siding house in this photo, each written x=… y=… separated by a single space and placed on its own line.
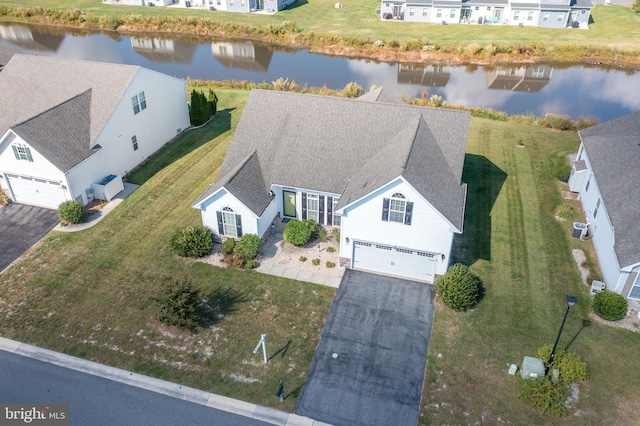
x=388 y=174
x=74 y=123
x=605 y=175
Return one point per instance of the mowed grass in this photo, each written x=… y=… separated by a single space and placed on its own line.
x=523 y=255
x=91 y=293
x=613 y=26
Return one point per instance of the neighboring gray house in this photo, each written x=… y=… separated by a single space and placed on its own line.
x=605 y=174
x=540 y=13
x=387 y=173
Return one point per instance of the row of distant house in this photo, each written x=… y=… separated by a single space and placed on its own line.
x=388 y=174
x=535 y=13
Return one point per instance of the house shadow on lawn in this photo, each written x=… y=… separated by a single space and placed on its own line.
x=484 y=182
x=182 y=145
x=219 y=303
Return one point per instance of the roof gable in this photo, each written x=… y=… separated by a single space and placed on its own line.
x=341 y=146
x=613 y=149
x=61 y=134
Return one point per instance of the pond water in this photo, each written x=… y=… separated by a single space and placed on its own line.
x=576 y=90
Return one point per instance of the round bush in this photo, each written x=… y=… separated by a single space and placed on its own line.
x=459 y=288
x=248 y=247
x=71 y=212
x=192 y=241
x=300 y=232
x=180 y=304
x=609 y=305
x=228 y=246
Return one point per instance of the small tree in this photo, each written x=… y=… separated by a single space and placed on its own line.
x=180 y=305
x=609 y=305
x=459 y=288
x=200 y=110
x=192 y=241
x=299 y=232
x=71 y=212
x=212 y=99
x=248 y=247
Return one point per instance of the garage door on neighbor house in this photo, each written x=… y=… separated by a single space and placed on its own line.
x=37 y=191
x=401 y=262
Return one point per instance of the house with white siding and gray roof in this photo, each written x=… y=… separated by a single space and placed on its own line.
x=387 y=173
x=605 y=174
x=74 y=126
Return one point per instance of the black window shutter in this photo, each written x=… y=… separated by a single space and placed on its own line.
x=28 y=151
x=15 y=152
x=321 y=209
x=385 y=209
x=220 y=224
x=408 y=213
x=329 y=211
x=304 y=205
x=239 y=225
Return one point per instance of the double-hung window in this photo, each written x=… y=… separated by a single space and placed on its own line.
x=229 y=222
x=22 y=153
x=397 y=208
x=336 y=217
x=134 y=142
x=138 y=102
x=595 y=212
x=313 y=207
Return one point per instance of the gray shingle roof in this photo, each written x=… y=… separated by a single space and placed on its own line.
x=613 y=148
x=348 y=147
x=61 y=134
x=381 y=95
x=35 y=84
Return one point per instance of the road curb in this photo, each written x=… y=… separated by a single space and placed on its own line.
x=219 y=402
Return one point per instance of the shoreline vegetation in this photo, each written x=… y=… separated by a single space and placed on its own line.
x=475 y=44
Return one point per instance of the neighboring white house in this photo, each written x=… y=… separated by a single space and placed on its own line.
x=388 y=174
x=67 y=124
x=536 y=13
x=605 y=174
x=245 y=6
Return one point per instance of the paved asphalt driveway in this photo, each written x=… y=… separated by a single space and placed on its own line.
x=379 y=327
x=22 y=226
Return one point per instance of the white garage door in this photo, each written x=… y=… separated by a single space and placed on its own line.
x=412 y=264
x=32 y=190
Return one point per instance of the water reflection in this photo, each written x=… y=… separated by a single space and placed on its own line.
x=242 y=54
x=576 y=90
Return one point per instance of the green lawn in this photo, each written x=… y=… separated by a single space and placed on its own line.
x=90 y=293
x=523 y=255
x=613 y=26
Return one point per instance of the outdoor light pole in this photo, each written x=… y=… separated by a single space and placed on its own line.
x=571 y=300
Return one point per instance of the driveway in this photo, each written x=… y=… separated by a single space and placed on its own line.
x=22 y=226
x=369 y=366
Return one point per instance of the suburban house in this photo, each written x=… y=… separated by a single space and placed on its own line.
x=245 y=6
x=534 y=13
x=75 y=126
x=605 y=174
x=387 y=173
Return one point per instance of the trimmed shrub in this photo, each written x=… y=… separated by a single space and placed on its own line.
x=330 y=264
x=636 y=6
x=302 y=259
x=545 y=395
x=228 y=246
x=316 y=261
x=248 y=247
x=609 y=305
x=180 y=305
x=335 y=233
x=251 y=264
x=572 y=367
x=212 y=100
x=459 y=288
x=331 y=249
x=71 y=212
x=200 y=107
x=192 y=241
x=322 y=234
x=300 y=232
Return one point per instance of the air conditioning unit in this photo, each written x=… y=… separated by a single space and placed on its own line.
x=579 y=230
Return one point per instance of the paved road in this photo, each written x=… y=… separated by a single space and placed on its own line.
x=378 y=328
x=22 y=226
x=98 y=401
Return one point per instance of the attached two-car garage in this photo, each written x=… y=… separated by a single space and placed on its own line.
x=403 y=262
x=37 y=191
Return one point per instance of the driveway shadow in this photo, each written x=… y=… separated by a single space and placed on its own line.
x=484 y=182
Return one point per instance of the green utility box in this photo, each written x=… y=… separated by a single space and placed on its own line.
x=532 y=368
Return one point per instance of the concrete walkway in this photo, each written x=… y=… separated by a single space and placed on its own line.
x=105 y=210
x=267 y=415
x=268 y=265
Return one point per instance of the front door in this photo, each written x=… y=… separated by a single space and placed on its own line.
x=289 y=200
